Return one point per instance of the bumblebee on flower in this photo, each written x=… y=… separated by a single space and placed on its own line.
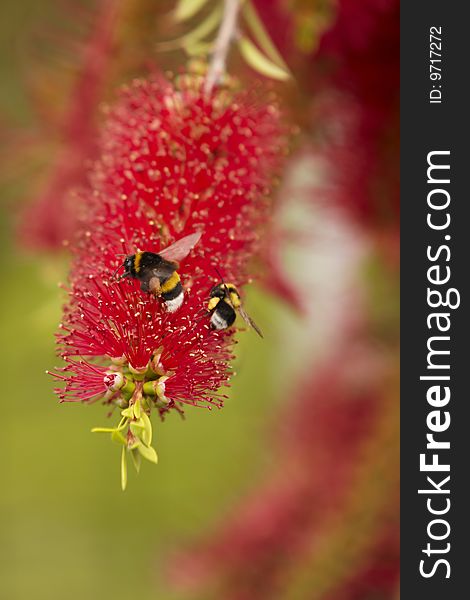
x=137 y=338
x=157 y=273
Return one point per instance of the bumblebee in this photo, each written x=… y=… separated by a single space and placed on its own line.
x=223 y=305
x=158 y=274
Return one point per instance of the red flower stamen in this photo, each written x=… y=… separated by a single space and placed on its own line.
x=173 y=161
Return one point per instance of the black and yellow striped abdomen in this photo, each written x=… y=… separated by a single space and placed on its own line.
x=224 y=299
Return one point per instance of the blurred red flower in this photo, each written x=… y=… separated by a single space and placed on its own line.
x=322 y=523
x=359 y=59
x=51 y=217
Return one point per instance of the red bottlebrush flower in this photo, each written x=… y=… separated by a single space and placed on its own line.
x=173 y=161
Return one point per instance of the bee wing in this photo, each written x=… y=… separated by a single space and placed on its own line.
x=151 y=278
x=249 y=321
x=180 y=249
x=164 y=270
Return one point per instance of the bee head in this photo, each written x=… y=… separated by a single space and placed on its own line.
x=218 y=291
x=129 y=267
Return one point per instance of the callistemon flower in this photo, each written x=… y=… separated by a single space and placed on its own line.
x=174 y=161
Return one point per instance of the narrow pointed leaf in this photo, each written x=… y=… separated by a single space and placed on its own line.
x=185 y=9
x=261 y=36
x=123 y=469
x=207 y=26
x=137 y=430
x=148 y=453
x=198 y=48
x=136 y=459
x=122 y=424
x=147 y=436
x=103 y=430
x=117 y=436
x=259 y=62
x=136 y=408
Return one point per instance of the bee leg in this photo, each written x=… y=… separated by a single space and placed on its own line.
x=154 y=286
x=202 y=314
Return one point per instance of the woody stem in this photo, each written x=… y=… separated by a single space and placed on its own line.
x=225 y=36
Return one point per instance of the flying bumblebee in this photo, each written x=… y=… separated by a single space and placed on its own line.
x=158 y=274
x=223 y=305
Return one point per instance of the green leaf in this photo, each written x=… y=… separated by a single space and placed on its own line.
x=136 y=407
x=123 y=469
x=117 y=436
x=137 y=429
x=259 y=62
x=147 y=436
x=103 y=430
x=136 y=459
x=185 y=9
x=149 y=453
x=198 y=48
x=197 y=34
x=128 y=412
x=122 y=424
x=261 y=36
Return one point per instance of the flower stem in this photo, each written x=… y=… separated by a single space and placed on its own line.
x=225 y=36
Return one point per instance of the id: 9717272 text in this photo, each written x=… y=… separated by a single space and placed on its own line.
x=435 y=64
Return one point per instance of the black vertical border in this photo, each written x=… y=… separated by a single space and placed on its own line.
x=426 y=127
